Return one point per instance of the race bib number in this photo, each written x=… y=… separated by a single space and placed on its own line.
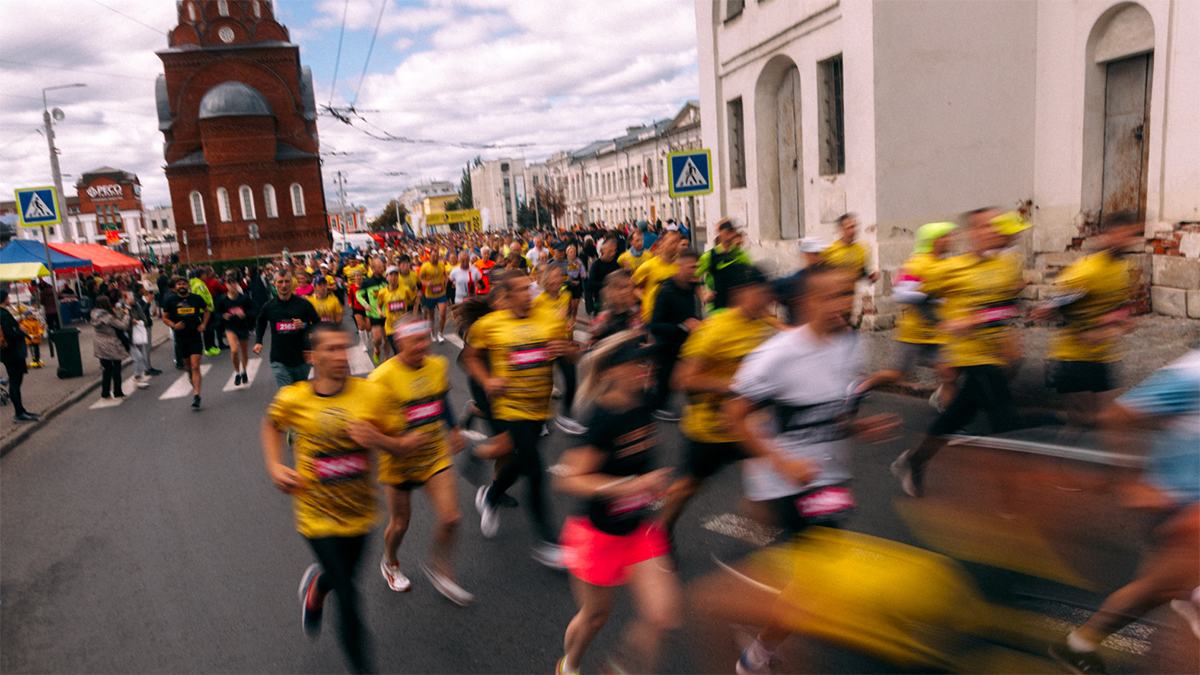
x=533 y=357
x=395 y=306
x=825 y=503
x=237 y=311
x=183 y=311
x=635 y=502
x=992 y=317
x=329 y=469
x=423 y=413
x=435 y=289
x=290 y=326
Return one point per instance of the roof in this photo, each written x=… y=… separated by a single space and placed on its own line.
x=117 y=175
x=233 y=98
x=104 y=259
x=687 y=115
x=24 y=250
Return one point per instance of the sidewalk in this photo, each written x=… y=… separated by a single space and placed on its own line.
x=46 y=395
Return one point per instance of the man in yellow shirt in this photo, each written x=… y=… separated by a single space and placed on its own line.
x=511 y=354
x=980 y=288
x=650 y=275
x=394 y=301
x=326 y=304
x=337 y=423
x=434 y=276
x=421 y=386
x=708 y=361
x=633 y=258
x=849 y=254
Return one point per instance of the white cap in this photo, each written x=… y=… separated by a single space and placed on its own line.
x=672 y=228
x=813 y=245
x=391 y=269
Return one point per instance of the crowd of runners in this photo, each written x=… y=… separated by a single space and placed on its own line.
x=596 y=330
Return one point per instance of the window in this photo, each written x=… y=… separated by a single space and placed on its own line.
x=223 y=7
x=223 y=210
x=504 y=167
x=733 y=8
x=535 y=178
x=247 y=196
x=737 y=143
x=297 y=200
x=257 y=10
x=832 y=117
x=191 y=11
x=197 y=209
x=269 y=202
x=99 y=213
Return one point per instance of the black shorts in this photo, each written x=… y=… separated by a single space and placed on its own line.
x=240 y=333
x=576 y=292
x=377 y=322
x=358 y=312
x=701 y=459
x=1073 y=377
x=188 y=343
x=410 y=485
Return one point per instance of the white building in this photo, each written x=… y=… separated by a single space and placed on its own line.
x=910 y=112
x=500 y=186
x=351 y=219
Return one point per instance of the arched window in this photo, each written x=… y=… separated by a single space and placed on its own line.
x=191 y=11
x=247 y=198
x=197 y=208
x=223 y=210
x=257 y=10
x=297 y=200
x=269 y=201
x=223 y=7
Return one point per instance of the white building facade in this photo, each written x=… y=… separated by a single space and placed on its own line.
x=905 y=112
x=500 y=186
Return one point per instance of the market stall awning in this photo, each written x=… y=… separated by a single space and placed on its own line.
x=104 y=260
x=22 y=271
x=23 y=251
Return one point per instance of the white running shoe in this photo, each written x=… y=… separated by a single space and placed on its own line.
x=935 y=400
x=447 y=587
x=570 y=426
x=549 y=554
x=489 y=518
x=441 y=338
x=394 y=577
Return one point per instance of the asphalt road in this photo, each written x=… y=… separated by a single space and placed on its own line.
x=146 y=537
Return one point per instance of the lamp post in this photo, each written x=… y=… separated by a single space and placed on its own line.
x=46 y=121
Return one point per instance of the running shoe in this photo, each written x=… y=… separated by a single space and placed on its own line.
x=549 y=554
x=1080 y=663
x=447 y=587
x=141 y=383
x=153 y=371
x=935 y=400
x=214 y=351
x=1187 y=610
x=489 y=520
x=196 y=402
x=394 y=577
x=441 y=338
x=560 y=668
x=467 y=415
x=237 y=379
x=375 y=358
x=555 y=393
x=665 y=416
x=310 y=617
x=911 y=479
x=745 y=667
x=570 y=426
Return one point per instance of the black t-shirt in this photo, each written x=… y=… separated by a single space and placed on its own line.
x=627 y=440
x=288 y=320
x=240 y=308
x=188 y=310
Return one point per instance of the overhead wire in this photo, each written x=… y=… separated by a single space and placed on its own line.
x=338 y=61
x=347 y=116
x=133 y=19
x=370 y=48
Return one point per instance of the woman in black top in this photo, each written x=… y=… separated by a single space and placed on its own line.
x=237 y=310
x=616 y=539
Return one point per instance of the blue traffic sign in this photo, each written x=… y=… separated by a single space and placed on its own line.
x=37 y=207
x=691 y=173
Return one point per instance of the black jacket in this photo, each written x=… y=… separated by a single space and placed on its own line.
x=672 y=306
x=288 y=321
x=14 y=350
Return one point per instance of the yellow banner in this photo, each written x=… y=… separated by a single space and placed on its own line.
x=469 y=217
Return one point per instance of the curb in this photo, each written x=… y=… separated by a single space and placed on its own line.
x=80 y=394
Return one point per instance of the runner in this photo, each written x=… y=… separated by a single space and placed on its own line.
x=721 y=262
x=511 y=354
x=981 y=289
x=708 y=361
x=657 y=270
x=615 y=539
x=326 y=303
x=807 y=376
x=552 y=305
x=366 y=297
x=676 y=315
x=603 y=266
x=636 y=256
x=577 y=276
x=851 y=255
x=335 y=422
x=187 y=314
x=288 y=315
x=358 y=311
x=434 y=276
x=395 y=301
x=466 y=278
x=421 y=384
x=237 y=311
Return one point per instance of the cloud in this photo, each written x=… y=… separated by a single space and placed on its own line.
x=551 y=74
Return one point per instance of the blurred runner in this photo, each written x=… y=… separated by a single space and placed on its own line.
x=553 y=305
x=676 y=315
x=394 y=300
x=614 y=539
x=656 y=270
x=720 y=263
x=636 y=255
x=237 y=311
x=849 y=254
x=288 y=316
x=325 y=302
x=357 y=310
x=421 y=385
x=187 y=314
x=375 y=316
x=434 y=276
x=335 y=421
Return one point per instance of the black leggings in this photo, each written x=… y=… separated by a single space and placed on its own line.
x=984 y=387
x=110 y=377
x=570 y=383
x=666 y=357
x=338 y=557
x=16 y=375
x=527 y=460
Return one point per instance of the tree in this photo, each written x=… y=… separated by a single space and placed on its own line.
x=552 y=198
x=528 y=220
x=466 y=196
x=392 y=218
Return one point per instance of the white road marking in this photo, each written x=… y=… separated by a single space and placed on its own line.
x=251 y=370
x=742 y=528
x=127 y=387
x=360 y=361
x=183 y=386
x=453 y=339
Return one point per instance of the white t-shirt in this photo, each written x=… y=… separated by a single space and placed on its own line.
x=804 y=381
x=461 y=278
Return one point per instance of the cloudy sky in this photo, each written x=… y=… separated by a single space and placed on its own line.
x=528 y=76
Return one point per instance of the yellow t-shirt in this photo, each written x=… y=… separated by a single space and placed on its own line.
x=433 y=278
x=349 y=270
x=631 y=262
x=1096 y=289
x=649 y=276
x=851 y=257
x=412 y=281
x=517 y=351
x=556 y=311
x=420 y=397
x=329 y=309
x=919 y=325
x=983 y=290
x=338 y=499
x=718 y=344
x=394 y=304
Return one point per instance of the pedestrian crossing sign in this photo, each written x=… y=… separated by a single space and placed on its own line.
x=37 y=207
x=691 y=172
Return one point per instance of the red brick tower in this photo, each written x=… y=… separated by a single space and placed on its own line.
x=240 y=121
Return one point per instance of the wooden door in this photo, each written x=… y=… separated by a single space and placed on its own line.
x=1126 y=102
x=791 y=199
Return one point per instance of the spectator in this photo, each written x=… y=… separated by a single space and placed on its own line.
x=12 y=355
x=108 y=345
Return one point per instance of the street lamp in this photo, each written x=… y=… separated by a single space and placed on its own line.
x=58 y=115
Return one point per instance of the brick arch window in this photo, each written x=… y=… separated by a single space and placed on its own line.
x=246 y=196
x=197 y=208
x=269 y=202
x=191 y=11
x=223 y=7
x=297 y=200
x=223 y=210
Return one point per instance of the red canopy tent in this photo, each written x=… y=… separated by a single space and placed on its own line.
x=104 y=260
